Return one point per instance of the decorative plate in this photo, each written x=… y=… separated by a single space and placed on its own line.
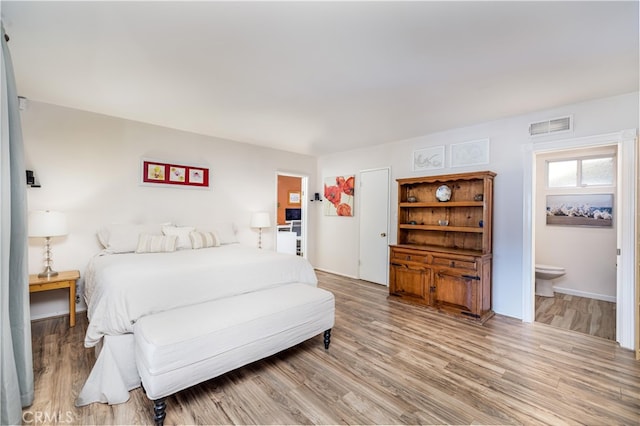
x=443 y=193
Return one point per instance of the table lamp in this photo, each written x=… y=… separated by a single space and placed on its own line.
x=260 y=220
x=47 y=224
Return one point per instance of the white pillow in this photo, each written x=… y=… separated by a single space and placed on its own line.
x=182 y=232
x=204 y=239
x=123 y=238
x=156 y=243
x=226 y=232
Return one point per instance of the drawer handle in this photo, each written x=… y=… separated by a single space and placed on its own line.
x=471 y=277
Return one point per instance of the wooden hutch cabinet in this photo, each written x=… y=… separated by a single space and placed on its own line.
x=443 y=255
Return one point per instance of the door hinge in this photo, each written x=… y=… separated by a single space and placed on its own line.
x=618 y=252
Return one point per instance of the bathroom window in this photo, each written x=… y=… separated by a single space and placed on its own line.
x=563 y=173
x=581 y=172
x=597 y=171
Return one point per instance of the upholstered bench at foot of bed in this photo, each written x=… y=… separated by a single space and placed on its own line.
x=182 y=347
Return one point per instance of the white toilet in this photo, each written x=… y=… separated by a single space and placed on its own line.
x=544 y=276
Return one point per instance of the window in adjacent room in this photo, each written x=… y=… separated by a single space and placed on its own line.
x=581 y=172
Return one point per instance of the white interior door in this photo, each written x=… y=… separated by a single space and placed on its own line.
x=374 y=225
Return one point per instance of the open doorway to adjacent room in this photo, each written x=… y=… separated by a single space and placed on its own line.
x=291 y=214
x=576 y=240
x=623 y=259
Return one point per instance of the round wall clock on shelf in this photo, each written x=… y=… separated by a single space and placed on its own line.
x=443 y=193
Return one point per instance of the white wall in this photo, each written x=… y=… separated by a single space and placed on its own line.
x=89 y=164
x=338 y=237
x=588 y=254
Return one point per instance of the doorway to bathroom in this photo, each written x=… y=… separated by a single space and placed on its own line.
x=575 y=250
x=623 y=222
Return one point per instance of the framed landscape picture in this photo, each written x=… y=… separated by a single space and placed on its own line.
x=580 y=210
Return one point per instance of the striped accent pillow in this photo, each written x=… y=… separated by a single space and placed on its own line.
x=204 y=239
x=183 y=235
x=148 y=243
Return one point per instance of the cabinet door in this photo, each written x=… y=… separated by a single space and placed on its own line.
x=456 y=291
x=409 y=281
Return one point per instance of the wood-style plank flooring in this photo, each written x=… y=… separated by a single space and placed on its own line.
x=388 y=363
x=579 y=314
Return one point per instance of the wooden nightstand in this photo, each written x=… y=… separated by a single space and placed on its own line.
x=65 y=279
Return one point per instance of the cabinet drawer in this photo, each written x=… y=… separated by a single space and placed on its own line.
x=404 y=256
x=455 y=263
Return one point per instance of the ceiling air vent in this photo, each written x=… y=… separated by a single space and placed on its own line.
x=556 y=125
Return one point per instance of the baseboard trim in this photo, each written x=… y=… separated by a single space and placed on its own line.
x=57 y=314
x=336 y=273
x=574 y=292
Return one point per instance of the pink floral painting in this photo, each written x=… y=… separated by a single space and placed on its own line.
x=338 y=192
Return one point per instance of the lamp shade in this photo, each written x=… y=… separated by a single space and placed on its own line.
x=46 y=223
x=260 y=220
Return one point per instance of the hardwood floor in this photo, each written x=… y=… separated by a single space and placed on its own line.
x=388 y=363
x=579 y=314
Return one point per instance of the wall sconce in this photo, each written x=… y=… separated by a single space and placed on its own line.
x=260 y=220
x=47 y=224
x=316 y=197
x=31 y=179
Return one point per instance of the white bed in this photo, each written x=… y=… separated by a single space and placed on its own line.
x=121 y=288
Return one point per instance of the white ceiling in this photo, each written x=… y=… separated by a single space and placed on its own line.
x=321 y=77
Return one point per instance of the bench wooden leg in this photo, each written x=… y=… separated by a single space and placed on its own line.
x=159 y=407
x=327 y=338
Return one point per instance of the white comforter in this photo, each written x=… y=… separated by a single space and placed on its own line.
x=121 y=288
